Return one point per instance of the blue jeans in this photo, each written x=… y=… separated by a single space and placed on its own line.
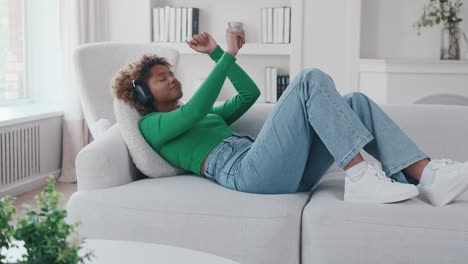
x=310 y=127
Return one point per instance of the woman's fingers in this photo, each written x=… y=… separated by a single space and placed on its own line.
x=202 y=39
x=240 y=38
x=240 y=35
x=194 y=40
x=204 y=36
x=191 y=45
x=199 y=39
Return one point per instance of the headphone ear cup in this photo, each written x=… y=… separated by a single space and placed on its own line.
x=143 y=94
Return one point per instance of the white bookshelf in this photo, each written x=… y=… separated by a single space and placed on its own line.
x=253 y=56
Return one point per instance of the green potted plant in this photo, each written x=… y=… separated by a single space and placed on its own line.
x=46 y=236
x=7 y=210
x=446 y=12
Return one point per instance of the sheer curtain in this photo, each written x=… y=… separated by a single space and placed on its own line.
x=81 y=21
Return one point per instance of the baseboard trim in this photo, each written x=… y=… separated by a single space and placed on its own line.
x=32 y=183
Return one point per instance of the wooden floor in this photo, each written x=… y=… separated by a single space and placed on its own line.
x=67 y=189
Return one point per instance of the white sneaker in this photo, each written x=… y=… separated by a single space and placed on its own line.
x=450 y=181
x=375 y=187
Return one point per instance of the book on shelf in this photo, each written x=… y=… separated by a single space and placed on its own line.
x=184 y=25
x=162 y=19
x=158 y=20
x=178 y=24
x=275 y=24
x=269 y=31
x=267 y=84
x=275 y=84
x=166 y=23
x=279 y=20
x=172 y=24
x=263 y=24
x=287 y=25
x=283 y=81
x=175 y=24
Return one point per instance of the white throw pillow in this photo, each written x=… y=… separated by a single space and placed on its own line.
x=147 y=160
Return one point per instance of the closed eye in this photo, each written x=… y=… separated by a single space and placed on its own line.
x=162 y=76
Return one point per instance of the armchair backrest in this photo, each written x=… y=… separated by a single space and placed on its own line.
x=96 y=64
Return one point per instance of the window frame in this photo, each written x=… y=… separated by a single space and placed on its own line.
x=26 y=55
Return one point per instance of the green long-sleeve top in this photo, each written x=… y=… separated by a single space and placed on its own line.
x=186 y=135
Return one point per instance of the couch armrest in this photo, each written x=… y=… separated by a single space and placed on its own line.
x=105 y=162
x=439 y=130
x=99 y=127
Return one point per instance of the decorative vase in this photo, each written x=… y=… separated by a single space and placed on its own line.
x=450 y=42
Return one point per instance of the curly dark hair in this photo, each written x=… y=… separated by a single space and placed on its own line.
x=122 y=86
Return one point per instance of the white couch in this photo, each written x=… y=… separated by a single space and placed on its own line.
x=116 y=201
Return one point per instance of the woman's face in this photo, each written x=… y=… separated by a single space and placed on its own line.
x=163 y=84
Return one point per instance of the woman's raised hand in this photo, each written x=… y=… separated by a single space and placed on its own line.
x=234 y=41
x=202 y=42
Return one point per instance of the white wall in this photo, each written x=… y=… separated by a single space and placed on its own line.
x=331 y=39
x=387 y=30
x=128 y=20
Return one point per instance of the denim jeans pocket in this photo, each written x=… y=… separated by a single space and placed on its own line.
x=222 y=155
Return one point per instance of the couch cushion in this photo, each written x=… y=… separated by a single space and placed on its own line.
x=411 y=231
x=148 y=161
x=193 y=212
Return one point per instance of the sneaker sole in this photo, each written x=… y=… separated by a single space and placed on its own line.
x=372 y=199
x=457 y=190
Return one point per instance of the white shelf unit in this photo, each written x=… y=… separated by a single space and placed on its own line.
x=253 y=56
x=247 y=48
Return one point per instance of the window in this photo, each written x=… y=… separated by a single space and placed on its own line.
x=12 y=55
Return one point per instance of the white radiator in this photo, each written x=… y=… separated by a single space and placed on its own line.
x=29 y=153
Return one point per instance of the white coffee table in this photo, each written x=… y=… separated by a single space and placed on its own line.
x=118 y=251
x=125 y=252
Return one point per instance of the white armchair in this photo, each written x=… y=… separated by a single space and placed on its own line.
x=95 y=64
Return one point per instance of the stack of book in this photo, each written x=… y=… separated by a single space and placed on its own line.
x=276 y=24
x=274 y=84
x=175 y=24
